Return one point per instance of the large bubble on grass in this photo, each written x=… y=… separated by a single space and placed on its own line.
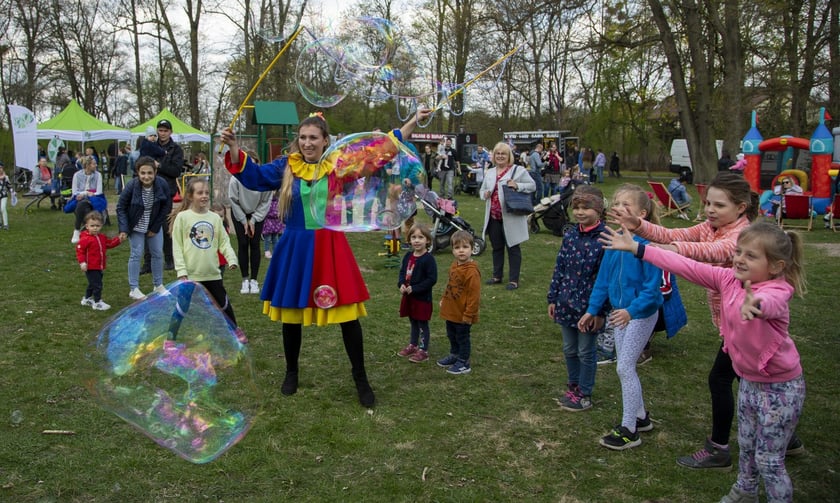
x=371 y=186
x=176 y=368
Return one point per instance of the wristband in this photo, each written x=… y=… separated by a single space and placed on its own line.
x=640 y=251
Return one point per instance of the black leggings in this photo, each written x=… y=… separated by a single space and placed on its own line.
x=351 y=332
x=721 y=378
x=248 y=251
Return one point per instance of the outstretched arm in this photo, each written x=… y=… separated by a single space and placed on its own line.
x=408 y=127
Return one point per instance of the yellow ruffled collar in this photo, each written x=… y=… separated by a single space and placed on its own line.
x=308 y=170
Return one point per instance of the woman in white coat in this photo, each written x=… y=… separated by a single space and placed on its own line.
x=504 y=229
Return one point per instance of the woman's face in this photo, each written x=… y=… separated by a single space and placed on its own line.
x=90 y=166
x=501 y=158
x=312 y=142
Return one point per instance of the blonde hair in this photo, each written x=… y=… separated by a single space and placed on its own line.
x=780 y=245
x=642 y=200
x=423 y=229
x=504 y=147
x=187 y=201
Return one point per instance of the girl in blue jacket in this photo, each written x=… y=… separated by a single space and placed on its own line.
x=141 y=213
x=632 y=289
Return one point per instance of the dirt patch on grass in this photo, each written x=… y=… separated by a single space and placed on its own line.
x=831 y=249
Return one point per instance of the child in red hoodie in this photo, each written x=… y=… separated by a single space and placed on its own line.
x=90 y=250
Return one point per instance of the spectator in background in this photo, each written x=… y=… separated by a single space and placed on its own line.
x=678 y=192
x=725 y=161
x=448 y=165
x=120 y=169
x=481 y=158
x=614 y=165
x=599 y=164
x=536 y=165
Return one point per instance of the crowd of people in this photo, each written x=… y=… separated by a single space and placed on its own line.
x=602 y=276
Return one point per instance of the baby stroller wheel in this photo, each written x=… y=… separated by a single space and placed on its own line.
x=478 y=247
x=533 y=225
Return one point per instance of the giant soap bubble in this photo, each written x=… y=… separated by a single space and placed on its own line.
x=176 y=368
x=371 y=185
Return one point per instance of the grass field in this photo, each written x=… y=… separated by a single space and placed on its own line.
x=496 y=434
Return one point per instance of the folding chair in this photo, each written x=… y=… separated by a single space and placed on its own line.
x=701 y=213
x=833 y=212
x=666 y=201
x=796 y=207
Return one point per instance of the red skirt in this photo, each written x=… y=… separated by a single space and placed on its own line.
x=420 y=310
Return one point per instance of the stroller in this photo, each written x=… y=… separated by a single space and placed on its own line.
x=445 y=220
x=554 y=212
x=471 y=178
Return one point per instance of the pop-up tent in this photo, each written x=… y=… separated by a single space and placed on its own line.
x=74 y=124
x=181 y=131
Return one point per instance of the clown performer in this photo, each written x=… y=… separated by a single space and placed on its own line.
x=313 y=278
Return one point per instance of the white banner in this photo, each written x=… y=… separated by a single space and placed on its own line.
x=25 y=130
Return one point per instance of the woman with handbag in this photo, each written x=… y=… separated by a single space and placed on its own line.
x=506 y=189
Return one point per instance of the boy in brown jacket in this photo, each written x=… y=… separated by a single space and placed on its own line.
x=459 y=305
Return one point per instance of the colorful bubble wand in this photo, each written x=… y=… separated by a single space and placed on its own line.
x=468 y=83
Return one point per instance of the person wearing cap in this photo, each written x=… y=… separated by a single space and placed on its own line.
x=170 y=158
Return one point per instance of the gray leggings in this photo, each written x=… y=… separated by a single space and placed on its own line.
x=629 y=343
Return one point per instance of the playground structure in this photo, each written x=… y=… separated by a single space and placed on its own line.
x=821 y=147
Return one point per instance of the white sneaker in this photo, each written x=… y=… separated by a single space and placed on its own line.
x=160 y=289
x=683 y=216
x=136 y=294
x=255 y=287
x=75 y=238
x=246 y=287
x=101 y=306
x=87 y=301
x=268 y=253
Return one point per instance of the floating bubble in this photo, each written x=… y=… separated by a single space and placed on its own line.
x=320 y=74
x=371 y=185
x=175 y=367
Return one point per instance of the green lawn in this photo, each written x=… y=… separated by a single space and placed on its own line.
x=493 y=435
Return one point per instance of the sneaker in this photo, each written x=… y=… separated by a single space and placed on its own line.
x=605 y=358
x=459 y=367
x=683 y=216
x=646 y=356
x=620 y=438
x=136 y=294
x=572 y=391
x=447 y=361
x=254 y=286
x=87 y=301
x=419 y=356
x=75 y=238
x=268 y=254
x=577 y=403
x=160 y=289
x=795 y=447
x=644 y=424
x=738 y=495
x=246 y=287
x=408 y=350
x=710 y=456
x=101 y=306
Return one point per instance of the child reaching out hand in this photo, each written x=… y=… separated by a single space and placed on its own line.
x=90 y=251
x=754 y=318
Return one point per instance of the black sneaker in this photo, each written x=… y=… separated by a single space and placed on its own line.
x=795 y=447
x=709 y=457
x=621 y=438
x=644 y=424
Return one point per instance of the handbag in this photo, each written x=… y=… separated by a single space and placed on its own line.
x=517 y=203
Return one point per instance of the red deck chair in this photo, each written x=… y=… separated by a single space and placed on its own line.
x=701 y=213
x=666 y=202
x=796 y=207
x=834 y=212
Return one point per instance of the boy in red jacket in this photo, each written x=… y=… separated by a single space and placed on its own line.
x=90 y=251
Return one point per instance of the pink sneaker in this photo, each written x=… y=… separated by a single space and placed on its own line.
x=408 y=350
x=419 y=356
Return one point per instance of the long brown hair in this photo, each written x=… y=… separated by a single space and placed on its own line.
x=739 y=191
x=186 y=202
x=285 y=201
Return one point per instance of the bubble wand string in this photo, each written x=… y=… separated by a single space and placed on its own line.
x=262 y=76
x=480 y=74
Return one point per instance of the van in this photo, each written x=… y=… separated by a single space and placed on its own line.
x=681 y=161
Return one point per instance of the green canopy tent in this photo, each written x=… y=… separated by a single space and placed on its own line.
x=181 y=131
x=74 y=124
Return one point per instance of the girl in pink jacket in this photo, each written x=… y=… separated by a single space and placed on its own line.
x=766 y=271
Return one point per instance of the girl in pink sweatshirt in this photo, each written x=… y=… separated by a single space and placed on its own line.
x=754 y=317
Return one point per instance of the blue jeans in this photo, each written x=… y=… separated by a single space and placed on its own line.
x=459 y=339
x=155 y=244
x=537 y=194
x=579 y=350
x=600 y=172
